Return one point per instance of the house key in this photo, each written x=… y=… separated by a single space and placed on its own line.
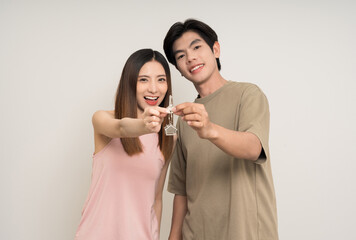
x=170 y=129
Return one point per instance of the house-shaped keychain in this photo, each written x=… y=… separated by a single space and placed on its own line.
x=170 y=129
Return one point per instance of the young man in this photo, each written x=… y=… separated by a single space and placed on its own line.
x=220 y=169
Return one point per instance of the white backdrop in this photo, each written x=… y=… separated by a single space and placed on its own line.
x=61 y=61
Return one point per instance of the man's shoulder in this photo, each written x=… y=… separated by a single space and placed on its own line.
x=240 y=87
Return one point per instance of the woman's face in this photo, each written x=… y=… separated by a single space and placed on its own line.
x=151 y=85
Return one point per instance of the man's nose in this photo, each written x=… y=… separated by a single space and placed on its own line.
x=190 y=56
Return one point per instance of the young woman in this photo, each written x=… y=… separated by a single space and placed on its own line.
x=131 y=155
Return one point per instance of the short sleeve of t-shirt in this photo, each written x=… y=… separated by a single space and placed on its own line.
x=254 y=118
x=177 y=175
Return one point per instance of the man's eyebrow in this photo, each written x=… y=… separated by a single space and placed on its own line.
x=194 y=42
x=191 y=44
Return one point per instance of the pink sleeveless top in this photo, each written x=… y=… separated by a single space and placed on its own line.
x=122 y=193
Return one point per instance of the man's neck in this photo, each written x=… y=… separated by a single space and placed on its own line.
x=210 y=86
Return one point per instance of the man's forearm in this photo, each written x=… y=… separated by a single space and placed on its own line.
x=238 y=144
x=243 y=145
x=179 y=212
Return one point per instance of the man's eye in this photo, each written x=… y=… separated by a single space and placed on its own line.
x=197 y=47
x=180 y=56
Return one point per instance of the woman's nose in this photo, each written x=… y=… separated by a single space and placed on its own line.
x=152 y=88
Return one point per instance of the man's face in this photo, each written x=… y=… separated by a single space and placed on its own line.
x=195 y=59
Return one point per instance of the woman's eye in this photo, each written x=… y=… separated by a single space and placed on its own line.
x=142 y=80
x=162 y=79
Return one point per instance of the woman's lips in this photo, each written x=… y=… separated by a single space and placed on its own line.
x=151 y=100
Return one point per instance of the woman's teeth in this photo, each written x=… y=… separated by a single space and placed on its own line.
x=151 y=98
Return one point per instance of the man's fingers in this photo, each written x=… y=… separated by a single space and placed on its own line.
x=192 y=117
x=181 y=106
x=187 y=108
x=195 y=124
x=179 y=113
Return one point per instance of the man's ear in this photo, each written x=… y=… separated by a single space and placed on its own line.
x=216 y=49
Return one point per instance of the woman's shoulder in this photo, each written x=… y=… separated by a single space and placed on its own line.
x=103 y=113
x=101 y=117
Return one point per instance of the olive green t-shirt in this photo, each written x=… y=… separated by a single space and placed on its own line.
x=228 y=198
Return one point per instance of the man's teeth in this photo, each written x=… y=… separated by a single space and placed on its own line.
x=151 y=98
x=195 y=68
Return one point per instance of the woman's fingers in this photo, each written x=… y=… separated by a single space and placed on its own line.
x=153 y=118
x=156 y=111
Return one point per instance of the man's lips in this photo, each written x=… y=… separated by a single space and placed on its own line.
x=196 y=68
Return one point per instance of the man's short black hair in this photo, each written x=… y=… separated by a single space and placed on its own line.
x=177 y=30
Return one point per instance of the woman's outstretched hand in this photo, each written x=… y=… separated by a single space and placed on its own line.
x=153 y=118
